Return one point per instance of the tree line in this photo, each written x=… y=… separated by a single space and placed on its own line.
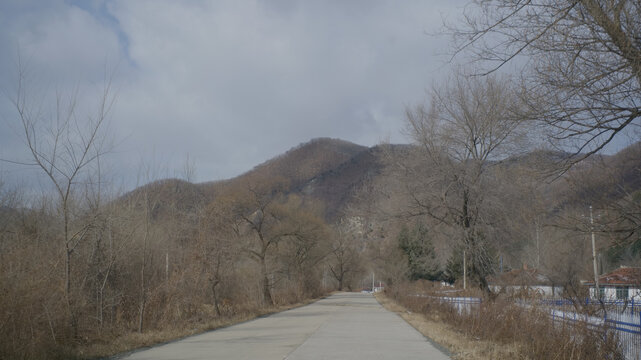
x=82 y=264
x=505 y=163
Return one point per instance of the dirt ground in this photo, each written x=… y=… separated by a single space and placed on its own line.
x=459 y=345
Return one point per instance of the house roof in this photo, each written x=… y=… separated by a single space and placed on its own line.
x=520 y=277
x=621 y=276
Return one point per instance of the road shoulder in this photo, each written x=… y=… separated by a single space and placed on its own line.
x=455 y=344
x=131 y=343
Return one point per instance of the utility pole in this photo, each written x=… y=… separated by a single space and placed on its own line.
x=538 y=248
x=596 y=276
x=464 y=272
x=324 y=273
x=372 y=282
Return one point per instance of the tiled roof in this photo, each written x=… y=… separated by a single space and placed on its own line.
x=622 y=276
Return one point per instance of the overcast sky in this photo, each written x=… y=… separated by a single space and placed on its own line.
x=228 y=83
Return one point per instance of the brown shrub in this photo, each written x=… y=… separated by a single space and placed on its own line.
x=502 y=320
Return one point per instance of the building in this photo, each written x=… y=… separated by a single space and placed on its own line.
x=623 y=283
x=530 y=281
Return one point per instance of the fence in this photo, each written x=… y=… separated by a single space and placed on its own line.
x=629 y=335
x=614 y=318
x=462 y=304
x=619 y=318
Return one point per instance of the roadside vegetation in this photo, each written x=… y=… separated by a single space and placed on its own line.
x=503 y=171
x=87 y=270
x=496 y=329
x=144 y=271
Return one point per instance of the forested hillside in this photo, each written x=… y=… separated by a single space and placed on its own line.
x=322 y=216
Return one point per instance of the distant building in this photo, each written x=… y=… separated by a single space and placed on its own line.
x=524 y=280
x=623 y=283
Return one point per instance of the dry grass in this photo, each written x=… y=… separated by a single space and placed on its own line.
x=132 y=341
x=460 y=346
x=498 y=329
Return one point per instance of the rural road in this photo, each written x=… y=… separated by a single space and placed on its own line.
x=342 y=326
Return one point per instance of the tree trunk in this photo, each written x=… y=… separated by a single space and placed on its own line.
x=141 y=306
x=67 y=273
x=73 y=322
x=100 y=308
x=267 y=296
x=216 y=302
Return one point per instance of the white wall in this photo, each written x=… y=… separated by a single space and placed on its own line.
x=544 y=290
x=610 y=293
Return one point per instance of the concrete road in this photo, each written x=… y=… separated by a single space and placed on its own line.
x=343 y=326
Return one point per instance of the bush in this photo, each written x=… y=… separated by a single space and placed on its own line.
x=503 y=321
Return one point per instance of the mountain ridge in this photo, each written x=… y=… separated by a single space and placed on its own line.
x=333 y=170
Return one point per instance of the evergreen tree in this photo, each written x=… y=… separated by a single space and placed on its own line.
x=421 y=258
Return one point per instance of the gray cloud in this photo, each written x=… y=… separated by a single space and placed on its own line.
x=233 y=83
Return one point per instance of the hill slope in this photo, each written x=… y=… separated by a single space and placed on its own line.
x=332 y=171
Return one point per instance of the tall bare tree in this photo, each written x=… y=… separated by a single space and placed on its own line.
x=218 y=247
x=257 y=213
x=469 y=124
x=582 y=62
x=64 y=145
x=304 y=245
x=344 y=259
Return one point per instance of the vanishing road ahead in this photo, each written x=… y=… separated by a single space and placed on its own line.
x=342 y=326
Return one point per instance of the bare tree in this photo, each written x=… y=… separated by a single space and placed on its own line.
x=344 y=259
x=146 y=203
x=218 y=247
x=257 y=213
x=64 y=146
x=470 y=124
x=303 y=245
x=582 y=63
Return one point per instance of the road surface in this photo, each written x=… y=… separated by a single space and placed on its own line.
x=342 y=326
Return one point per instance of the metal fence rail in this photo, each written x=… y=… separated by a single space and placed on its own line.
x=629 y=335
x=461 y=304
x=619 y=318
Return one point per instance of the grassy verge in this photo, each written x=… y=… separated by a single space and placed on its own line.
x=120 y=345
x=498 y=329
x=459 y=345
